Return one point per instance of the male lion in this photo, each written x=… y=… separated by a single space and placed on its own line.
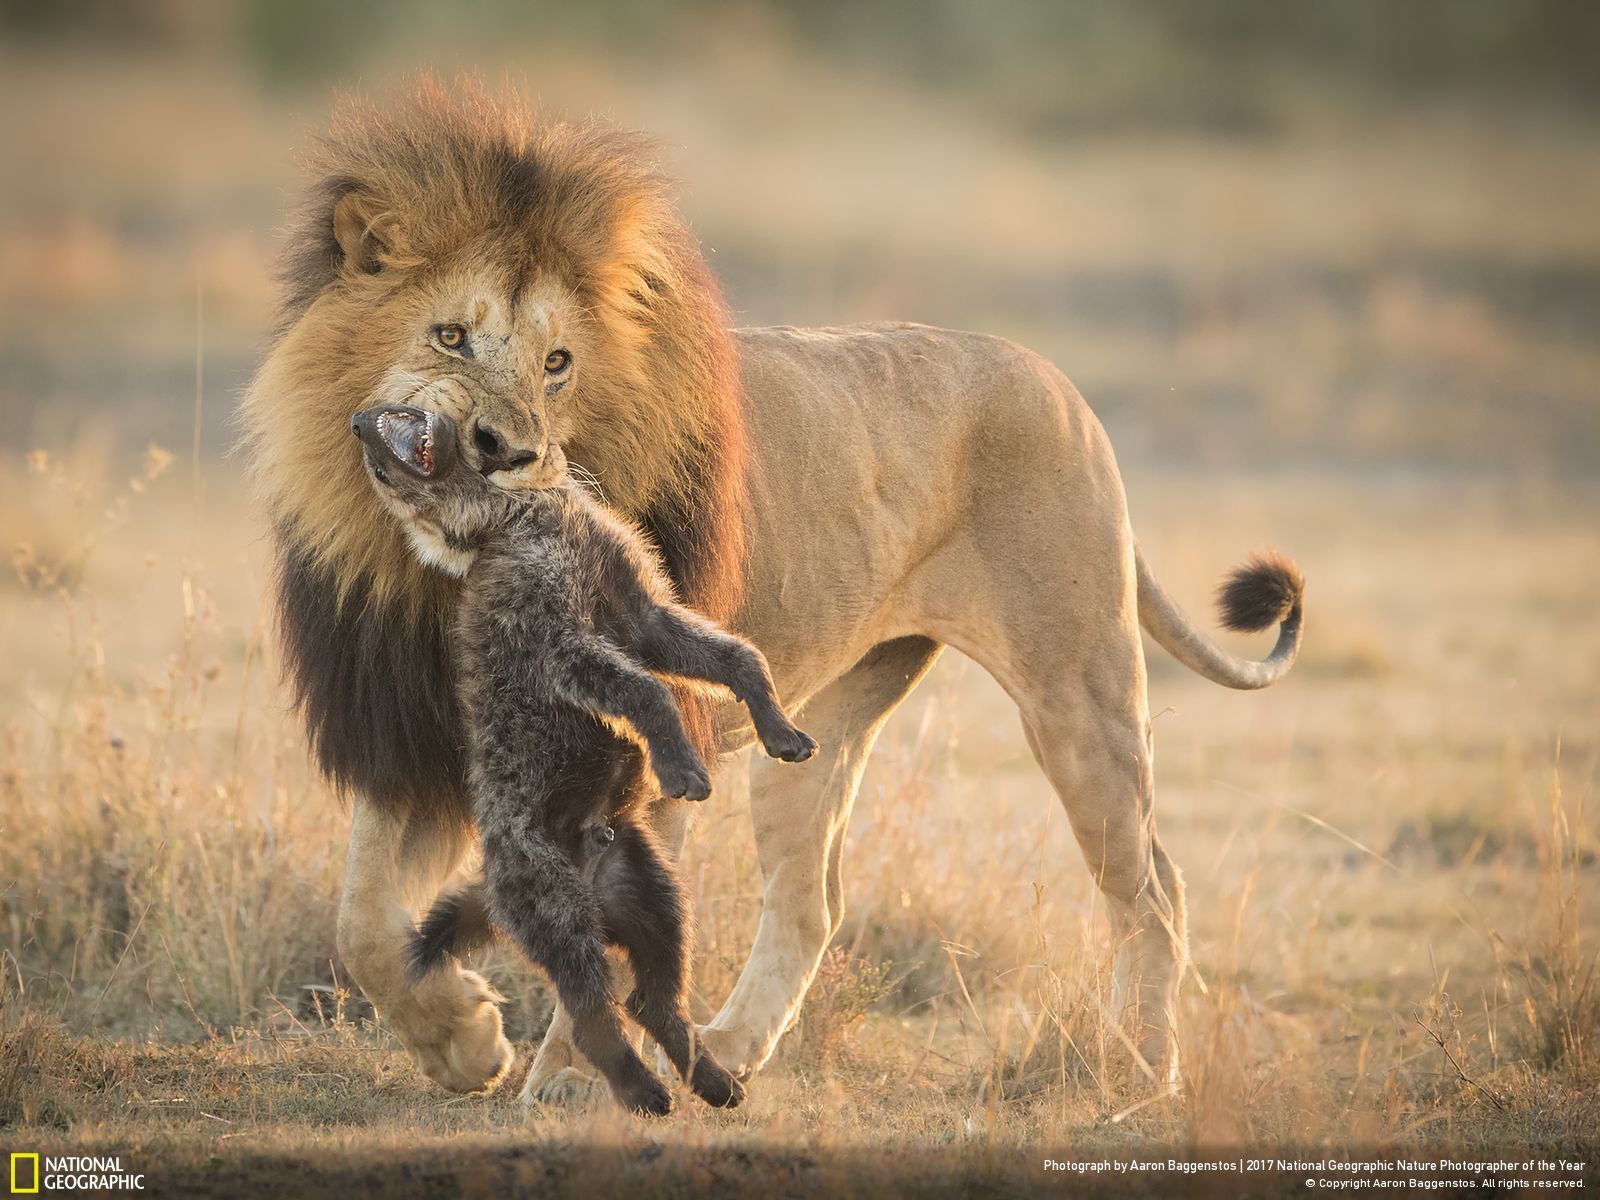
x=851 y=500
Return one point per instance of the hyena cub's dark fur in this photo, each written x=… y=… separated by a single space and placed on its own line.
x=565 y=618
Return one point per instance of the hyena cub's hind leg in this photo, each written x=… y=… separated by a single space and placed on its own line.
x=544 y=904
x=545 y=907
x=644 y=913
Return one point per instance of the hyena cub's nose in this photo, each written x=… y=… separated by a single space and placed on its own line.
x=359 y=423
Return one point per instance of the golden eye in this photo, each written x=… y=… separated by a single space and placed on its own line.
x=556 y=362
x=451 y=337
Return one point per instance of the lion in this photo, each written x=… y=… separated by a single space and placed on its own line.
x=851 y=500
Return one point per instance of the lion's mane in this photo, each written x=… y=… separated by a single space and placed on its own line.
x=365 y=627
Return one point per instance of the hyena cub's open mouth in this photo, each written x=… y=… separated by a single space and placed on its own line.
x=404 y=436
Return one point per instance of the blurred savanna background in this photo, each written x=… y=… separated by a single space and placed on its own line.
x=1330 y=276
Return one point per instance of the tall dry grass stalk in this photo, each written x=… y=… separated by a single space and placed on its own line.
x=1554 y=974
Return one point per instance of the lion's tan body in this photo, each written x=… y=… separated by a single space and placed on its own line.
x=903 y=489
x=918 y=488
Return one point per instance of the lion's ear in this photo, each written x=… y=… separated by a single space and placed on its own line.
x=369 y=238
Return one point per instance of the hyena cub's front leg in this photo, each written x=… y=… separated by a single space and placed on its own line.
x=679 y=641
x=603 y=680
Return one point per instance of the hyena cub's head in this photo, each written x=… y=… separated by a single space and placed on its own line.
x=414 y=463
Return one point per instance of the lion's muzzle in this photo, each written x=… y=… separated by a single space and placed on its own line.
x=499 y=452
x=518 y=470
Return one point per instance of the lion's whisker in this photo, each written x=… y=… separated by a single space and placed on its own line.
x=589 y=480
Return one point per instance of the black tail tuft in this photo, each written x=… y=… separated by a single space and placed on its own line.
x=1265 y=590
x=455 y=926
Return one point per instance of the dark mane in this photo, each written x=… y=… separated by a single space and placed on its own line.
x=374 y=684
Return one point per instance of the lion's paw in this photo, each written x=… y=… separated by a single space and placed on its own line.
x=566 y=1088
x=469 y=1052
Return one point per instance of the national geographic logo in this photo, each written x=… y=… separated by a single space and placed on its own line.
x=30 y=1175
x=26 y=1182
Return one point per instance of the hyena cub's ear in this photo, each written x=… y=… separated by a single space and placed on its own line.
x=369 y=237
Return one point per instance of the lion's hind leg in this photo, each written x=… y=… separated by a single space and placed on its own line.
x=1059 y=630
x=1080 y=686
x=1099 y=765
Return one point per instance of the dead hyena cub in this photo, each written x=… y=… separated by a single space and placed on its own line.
x=565 y=618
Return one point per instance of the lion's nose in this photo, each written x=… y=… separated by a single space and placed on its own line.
x=496 y=450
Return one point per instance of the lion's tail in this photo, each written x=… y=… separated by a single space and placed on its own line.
x=1266 y=590
x=456 y=925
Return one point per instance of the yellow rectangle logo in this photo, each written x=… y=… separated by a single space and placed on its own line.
x=16 y=1190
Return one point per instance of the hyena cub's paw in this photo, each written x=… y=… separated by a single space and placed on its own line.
x=714 y=1084
x=683 y=779
x=788 y=744
x=641 y=1091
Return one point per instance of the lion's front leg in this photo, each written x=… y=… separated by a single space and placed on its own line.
x=449 y=1022
x=562 y=1077
x=800 y=813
